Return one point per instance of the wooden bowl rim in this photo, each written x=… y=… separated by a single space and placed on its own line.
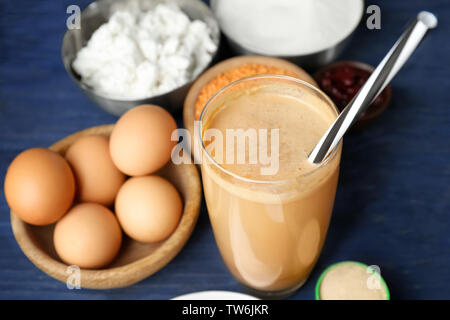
x=191 y=97
x=98 y=278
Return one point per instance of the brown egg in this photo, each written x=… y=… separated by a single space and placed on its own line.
x=88 y=236
x=148 y=208
x=140 y=142
x=39 y=186
x=98 y=179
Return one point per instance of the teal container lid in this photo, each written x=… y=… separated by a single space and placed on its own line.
x=373 y=271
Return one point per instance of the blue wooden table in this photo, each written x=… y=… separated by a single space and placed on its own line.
x=393 y=202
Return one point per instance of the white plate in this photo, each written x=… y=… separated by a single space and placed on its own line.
x=215 y=295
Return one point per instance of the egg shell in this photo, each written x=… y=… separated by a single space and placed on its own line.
x=88 y=236
x=140 y=142
x=148 y=208
x=39 y=186
x=97 y=178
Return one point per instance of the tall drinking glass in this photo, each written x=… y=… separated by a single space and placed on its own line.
x=270 y=218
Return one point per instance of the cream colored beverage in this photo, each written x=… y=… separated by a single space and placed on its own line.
x=270 y=218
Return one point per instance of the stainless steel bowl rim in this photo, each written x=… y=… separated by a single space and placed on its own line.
x=215 y=35
x=247 y=50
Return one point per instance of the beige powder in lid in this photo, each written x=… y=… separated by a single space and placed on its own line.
x=351 y=281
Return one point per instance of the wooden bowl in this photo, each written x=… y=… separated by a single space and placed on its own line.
x=371 y=113
x=135 y=261
x=191 y=98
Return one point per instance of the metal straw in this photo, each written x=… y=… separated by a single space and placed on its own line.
x=378 y=80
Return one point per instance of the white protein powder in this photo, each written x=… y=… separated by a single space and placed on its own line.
x=287 y=27
x=141 y=54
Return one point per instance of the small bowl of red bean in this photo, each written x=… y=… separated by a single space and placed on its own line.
x=342 y=80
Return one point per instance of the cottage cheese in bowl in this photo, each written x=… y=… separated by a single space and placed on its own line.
x=138 y=54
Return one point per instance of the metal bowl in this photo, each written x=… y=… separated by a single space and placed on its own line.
x=96 y=14
x=308 y=61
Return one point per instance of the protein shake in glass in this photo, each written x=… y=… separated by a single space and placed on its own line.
x=270 y=218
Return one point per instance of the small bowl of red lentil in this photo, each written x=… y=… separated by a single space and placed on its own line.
x=231 y=70
x=342 y=80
